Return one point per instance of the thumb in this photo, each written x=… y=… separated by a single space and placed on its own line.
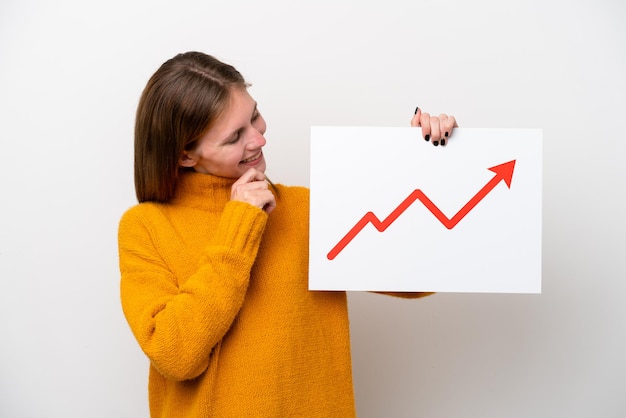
x=415 y=120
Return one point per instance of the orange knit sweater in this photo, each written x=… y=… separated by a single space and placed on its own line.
x=215 y=292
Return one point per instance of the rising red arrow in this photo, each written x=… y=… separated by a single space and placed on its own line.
x=504 y=172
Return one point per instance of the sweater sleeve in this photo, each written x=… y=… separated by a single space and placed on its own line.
x=177 y=326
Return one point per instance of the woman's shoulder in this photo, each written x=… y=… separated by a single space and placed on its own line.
x=141 y=213
x=292 y=192
x=294 y=189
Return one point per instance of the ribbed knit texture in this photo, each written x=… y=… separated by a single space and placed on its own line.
x=216 y=294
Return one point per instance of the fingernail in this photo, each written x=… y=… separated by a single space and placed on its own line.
x=427 y=137
x=446 y=134
x=416 y=109
x=443 y=142
x=435 y=143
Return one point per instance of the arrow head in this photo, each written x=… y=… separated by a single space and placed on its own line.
x=504 y=172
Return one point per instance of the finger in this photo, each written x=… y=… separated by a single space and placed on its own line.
x=450 y=125
x=263 y=200
x=257 y=175
x=435 y=131
x=425 y=124
x=270 y=206
x=443 y=120
x=267 y=200
x=415 y=120
x=250 y=175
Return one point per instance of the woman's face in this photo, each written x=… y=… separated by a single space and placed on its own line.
x=233 y=144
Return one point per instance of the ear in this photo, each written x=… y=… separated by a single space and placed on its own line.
x=187 y=160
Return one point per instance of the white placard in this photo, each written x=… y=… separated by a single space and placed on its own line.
x=391 y=212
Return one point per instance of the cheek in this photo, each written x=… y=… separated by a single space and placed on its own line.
x=235 y=155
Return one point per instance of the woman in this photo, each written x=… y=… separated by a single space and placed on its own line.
x=214 y=260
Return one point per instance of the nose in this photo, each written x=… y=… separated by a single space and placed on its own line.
x=257 y=140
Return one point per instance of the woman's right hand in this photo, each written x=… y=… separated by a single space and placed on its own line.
x=253 y=189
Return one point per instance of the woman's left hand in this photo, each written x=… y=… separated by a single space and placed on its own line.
x=436 y=129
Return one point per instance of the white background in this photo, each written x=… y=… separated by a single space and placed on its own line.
x=70 y=76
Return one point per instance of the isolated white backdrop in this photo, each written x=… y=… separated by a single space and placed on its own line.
x=70 y=76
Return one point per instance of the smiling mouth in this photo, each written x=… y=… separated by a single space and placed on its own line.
x=253 y=158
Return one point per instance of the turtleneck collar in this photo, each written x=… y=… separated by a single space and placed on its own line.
x=202 y=191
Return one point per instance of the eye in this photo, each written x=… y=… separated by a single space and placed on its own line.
x=234 y=139
x=256 y=115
